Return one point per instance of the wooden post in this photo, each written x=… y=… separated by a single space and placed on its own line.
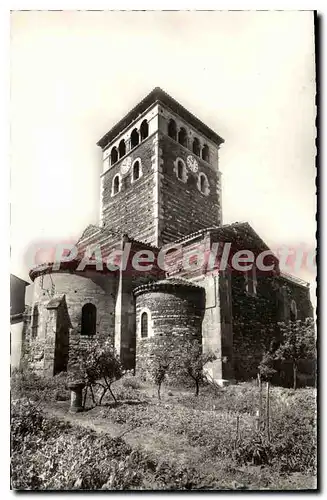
x=268 y=411
x=260 y=401
x=257 y=420
x=237 y=431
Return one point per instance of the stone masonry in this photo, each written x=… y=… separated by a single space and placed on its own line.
x=161 y=190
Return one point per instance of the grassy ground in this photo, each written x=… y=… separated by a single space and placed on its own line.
x=211 y=439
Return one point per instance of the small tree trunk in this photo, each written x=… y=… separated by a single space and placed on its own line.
x=85 y=394
x=268 y=412
x=196 y=387
x=93 y=398
x=102 y=395
x=109 y=389
x=294 y=375
x=159 y=387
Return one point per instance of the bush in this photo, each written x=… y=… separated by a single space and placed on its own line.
x=239 y=398
x=50 y=455
x=253 y=449
x=98 y=366
x=131 y=382
x=207 y=422
x=294 y=446
x=26 y=383
x=28 y=420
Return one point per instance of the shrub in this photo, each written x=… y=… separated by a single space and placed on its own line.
x=190 y=361
x=239 y=399
x=293 y=441
x=159 y=360
x=98 y=365
x=253 y=449
x=292 y=446
x=298 y=344
x=50 y=455
x=131 y=382
x=26 y=383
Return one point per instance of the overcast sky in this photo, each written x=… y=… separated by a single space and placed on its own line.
x=247 y=75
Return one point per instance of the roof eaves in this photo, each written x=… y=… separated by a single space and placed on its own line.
x=159 y=95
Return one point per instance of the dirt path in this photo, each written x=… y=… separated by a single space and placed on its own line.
x=158 y=443
x=163 y=447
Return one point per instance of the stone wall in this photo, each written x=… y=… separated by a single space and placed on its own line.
x=79 y=289
x=46 y=350
x=125 y=326
x=178 y=313
x=56 y=342
x=131 y=211
x=217 y=331
x=289 y=291
x=183 y=208
x=254 y=323
x=255 y=318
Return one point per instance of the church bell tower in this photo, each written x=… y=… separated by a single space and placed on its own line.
x=161 y=178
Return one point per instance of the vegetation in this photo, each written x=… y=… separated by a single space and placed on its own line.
x=205 y=440
x=187 y=361
x=266 y=368
x=190 y=360
x=298 y=344
x=48 y=454
x=30 y=385
x=98 y=365
x=159 y=360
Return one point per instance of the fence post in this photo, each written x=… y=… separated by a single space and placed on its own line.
x=268 y=412
x=237 y=430
x=260 y=401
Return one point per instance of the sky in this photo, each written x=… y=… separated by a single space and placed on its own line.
x=250 y=76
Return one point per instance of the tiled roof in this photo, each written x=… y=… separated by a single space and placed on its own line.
x=107 y=238
x=157 y=94
x=294 y=279
x=168 y=283
x=225 y=231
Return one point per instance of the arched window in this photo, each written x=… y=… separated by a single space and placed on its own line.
x=180 y=169
x=116 y=184
x=144 y=129
x=205 y=153
x=196 y=146
x=137 y=171
x=293 y=311
x=172 y=130
x=122 y=148
x=89 y=319
x=135 y=139
x=113 y=156
x=35 y=321
x=182 y=137
x=144 y=325
x=203 y=184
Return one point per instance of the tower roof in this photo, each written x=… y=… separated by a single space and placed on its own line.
x=159 y=95
x=166 y=284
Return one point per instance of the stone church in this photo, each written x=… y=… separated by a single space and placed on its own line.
x=161 y=190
